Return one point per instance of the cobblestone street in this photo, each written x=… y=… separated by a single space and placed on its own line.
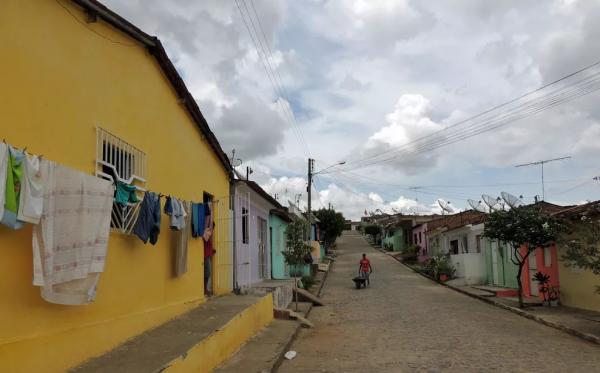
x=404 y=322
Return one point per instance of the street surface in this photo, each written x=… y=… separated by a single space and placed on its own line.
x=404 y=322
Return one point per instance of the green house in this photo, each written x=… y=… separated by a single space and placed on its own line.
x=280 y=270
x=500 y=270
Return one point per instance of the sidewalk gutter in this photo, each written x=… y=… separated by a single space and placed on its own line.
x=518 y=311
x=279 y=360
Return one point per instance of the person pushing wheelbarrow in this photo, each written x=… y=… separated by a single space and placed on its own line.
x=364 y=271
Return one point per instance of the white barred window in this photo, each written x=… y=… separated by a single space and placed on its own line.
x=119 y=161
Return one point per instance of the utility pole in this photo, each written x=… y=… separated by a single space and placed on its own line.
x=311 y=163
x=541 y=163
x=416 y=189
x=249 y=172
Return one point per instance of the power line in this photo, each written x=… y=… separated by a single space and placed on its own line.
x=489 y=122
x=261 y=52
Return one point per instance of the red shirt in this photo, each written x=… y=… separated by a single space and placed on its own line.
x=208 y=248
x=365 y=265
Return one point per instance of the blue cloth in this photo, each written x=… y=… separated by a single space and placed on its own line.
x=147 y=226
x=168 y=206
x=198 y=219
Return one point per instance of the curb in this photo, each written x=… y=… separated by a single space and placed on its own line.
x=518 y=311
x=288 y=345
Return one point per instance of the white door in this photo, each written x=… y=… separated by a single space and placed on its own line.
x=262 y=248
x=495 y=263
x=533 y=285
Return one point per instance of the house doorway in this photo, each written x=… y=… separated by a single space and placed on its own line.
x=533 y=287
x=495 y=260
x=208 y=242
x=262 y=248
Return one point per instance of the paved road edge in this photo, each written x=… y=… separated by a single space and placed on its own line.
x=518 y=311
x=294 y=336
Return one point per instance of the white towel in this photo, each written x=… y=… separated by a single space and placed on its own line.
x=3 y=170
x=31 y=199
x=70 y=243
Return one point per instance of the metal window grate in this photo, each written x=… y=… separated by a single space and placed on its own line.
x=117 y=160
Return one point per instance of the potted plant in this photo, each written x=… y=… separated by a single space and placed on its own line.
x=543 y=280
x=444 y=269
x=553 y=296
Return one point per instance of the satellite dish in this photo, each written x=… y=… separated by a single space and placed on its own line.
x=512 y=201
x=236 y=162
x=476 y=205
x=445 y=206
x=490 y=201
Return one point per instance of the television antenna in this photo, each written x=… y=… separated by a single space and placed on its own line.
x=512 y=201
x=235 y=162
x=541 y=163
x=476 y=205
x=491 y=202
x=445 y=206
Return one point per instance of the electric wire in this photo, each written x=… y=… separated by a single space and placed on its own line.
x=547 y=101
x=268 y=70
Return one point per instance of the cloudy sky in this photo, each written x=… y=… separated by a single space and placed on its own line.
x=361 y=80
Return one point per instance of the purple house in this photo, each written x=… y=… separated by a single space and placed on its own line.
x=418 y=238
x=252 y=259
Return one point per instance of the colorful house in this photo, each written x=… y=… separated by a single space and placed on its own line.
x=278 y=222
x=89 y=90
x=460 y=237
x=577 y=285
x=252 y=242
x=419 y=238
x=542 y=259
x=501 y=271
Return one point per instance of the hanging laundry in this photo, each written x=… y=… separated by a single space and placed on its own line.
x=181 y=251
x=70 y=243
x=147 y=226
x=14 y=179
x=198 y=219
x=175 y=209
x=31 y=200
x=125 y=193
x=168 y=209
x=3 y=174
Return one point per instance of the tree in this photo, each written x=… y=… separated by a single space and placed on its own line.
x=331 y=224
x=524 y=229
x=297 y=250
x=372 y=230
x=582 y=242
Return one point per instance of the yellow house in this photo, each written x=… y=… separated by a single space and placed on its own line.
x=75 y=75
x=578 y=285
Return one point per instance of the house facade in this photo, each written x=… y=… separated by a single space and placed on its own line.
x=501 y=271
x=465 y=245
x=252 y=242
x=73 y=95
x=278 y=222
x=577 y=285
x=419 y=232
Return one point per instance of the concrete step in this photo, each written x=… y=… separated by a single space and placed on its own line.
x=198 y=340
x=498 y=291
x=264 y=352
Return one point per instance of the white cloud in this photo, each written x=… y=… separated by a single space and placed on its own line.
x=345 y=64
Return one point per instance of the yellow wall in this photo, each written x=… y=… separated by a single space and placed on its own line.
x=59 y=81
x=578 y=288
x=217 y=347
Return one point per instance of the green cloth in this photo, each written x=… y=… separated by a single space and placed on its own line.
x=14 y=178
x=125 y=193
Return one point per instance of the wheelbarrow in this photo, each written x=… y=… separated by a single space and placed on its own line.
x=360 y=282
